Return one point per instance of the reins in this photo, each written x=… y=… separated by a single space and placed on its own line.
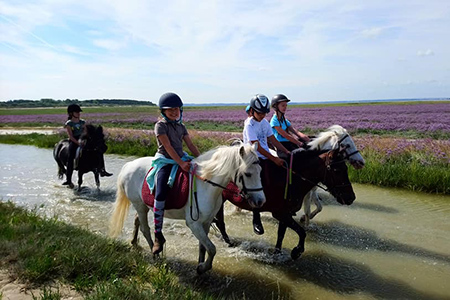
x=193 y=188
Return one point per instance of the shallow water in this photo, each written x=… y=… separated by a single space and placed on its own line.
x=390 y=244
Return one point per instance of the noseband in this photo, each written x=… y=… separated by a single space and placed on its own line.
x=347 y=156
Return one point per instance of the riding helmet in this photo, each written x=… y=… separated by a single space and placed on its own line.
x=73 y=108
x=170 y=100
x=260 y=104
x=277 y=99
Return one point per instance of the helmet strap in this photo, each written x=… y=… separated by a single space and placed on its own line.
x=180 y=120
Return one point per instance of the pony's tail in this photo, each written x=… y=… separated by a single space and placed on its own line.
x=121 y=207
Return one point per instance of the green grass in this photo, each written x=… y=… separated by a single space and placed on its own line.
x=46 y=250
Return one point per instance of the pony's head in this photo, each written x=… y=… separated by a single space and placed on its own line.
x=238 y=163
x=337 y=138
x=336 y=177
x=93 y=138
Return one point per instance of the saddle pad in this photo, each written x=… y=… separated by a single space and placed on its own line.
x=177 y=195
x=232 y=193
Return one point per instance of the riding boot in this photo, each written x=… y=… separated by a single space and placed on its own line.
x=158 y=211
x=104 y=173
x=257 y=225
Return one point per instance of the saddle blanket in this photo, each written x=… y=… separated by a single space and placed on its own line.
x=177 y=195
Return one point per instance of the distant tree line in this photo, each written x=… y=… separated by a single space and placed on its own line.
x=48 y=102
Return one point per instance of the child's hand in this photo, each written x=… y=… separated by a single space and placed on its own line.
x=278 y=161
x=186 y=166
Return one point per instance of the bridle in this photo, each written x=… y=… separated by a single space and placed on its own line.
x=244 y=192
x=329 y=162
x=347 y=156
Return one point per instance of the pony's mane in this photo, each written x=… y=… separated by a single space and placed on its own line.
x=225 y=161
x=329 y=137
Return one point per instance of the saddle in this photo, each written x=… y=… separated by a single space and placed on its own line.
x=177 y=196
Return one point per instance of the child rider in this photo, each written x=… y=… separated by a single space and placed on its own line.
x=257 y=129
x=170 y=133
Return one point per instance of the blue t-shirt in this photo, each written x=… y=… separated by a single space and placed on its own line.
x=274 y=122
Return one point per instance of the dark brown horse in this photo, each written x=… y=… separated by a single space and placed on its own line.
x=91 y=155
x=309 y=168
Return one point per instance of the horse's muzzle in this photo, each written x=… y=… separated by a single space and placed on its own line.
x=346 y=198
x=256 y=200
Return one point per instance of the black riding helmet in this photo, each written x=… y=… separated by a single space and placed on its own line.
x=170 y=100
x=277 y=99
x=260 y=104
x=73 y=108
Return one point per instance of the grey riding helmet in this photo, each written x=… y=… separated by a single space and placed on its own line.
x=170 y=100
x=277 y=99
x=260 y=104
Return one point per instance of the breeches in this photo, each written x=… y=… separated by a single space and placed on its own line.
x=161 y=182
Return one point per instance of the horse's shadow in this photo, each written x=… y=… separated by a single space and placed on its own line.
x=95 y=194
x=347 y=277
x=329 y=200
x=340 y=234
x=223 y=285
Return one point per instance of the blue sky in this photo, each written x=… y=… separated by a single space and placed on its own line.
x=224 y=51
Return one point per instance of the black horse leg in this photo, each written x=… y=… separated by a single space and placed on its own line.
x=97 y=179
x=280 y=236
x=300 y=248
x=220 y=223
x=286 y=220
x=80 y=179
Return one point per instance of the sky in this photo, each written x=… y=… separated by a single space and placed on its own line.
x=224 y=51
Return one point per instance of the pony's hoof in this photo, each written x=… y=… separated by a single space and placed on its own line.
x=297 y=252
x=201 y=269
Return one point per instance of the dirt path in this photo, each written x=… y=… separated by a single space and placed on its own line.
x=13 y=289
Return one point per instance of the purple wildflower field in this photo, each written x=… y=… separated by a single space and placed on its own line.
x=422 y=117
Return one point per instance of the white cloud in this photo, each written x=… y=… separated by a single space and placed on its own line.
x=427 y=52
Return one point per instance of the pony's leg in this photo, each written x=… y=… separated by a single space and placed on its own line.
x=142 y=212
x=219 y=220
x=315 y=197
x=80 y=180
x=201 y=253
x=280 y=236
x=134 y=241
x=291 y=223
x=97 y=179
x=306 y=208
x=201 y=233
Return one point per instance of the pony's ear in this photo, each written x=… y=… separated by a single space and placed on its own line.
x=242 y=151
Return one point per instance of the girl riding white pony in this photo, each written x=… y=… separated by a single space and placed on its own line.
x=216 y=168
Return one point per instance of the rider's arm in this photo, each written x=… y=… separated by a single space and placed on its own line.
x=277 y=144
x=278 y=161
x=287 y=136
x=164 y=139
x=191 y=146
x=298 y=133
x=70 y=133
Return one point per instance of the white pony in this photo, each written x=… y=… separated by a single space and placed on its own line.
x=335 y=137
x=219 y=166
